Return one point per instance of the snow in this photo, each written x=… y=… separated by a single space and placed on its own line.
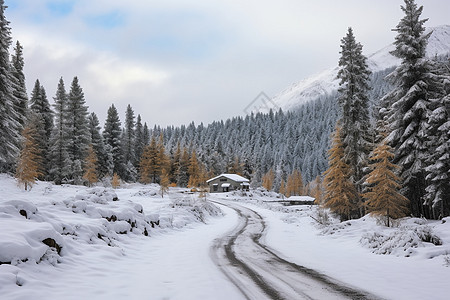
x=412 y=271
x=234 y=177
x=105 y=253
x=325 y=82
x=300 y=198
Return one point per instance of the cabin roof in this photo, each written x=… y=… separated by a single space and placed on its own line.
x=234 y=177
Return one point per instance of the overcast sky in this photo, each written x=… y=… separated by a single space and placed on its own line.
x=177 y=61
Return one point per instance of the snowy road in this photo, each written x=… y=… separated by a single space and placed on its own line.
x=261 y=274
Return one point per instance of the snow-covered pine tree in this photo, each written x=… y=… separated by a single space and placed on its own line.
x=353 y=100
x=175 y=164
x=129 y=140
x=438 y=162
x=9 y=125
x=410 y=105
x=146 y=134
x=183 y=173
x=40 y=106
x=282 y=187
x=339 y=190
x=19 y=87
x=139 y=142
x=60 y=160
x=98 y=144
x=78 y=126
x=383 y=196
x=111 y=136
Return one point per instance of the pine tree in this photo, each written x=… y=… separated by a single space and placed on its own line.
x=9 y=125
x=29 y=165
x=111 y=136
x=183 y=173
x=340 y=192
x=139 y=142
x=175 y=164
x=438 y=162
x=146 y=134
x=98 y=144
x=19 y=87
x=78 y=127
x=40 y=106
x=410 y=105
x=129 y=139
x=354 y=102
x=60 y=160
x=283 y=187
x=90 y=166
x=383 y=197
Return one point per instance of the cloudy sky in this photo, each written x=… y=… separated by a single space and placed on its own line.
x=177 y=61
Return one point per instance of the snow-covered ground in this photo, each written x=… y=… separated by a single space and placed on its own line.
x=111 y=250
x=413 y=270
x=172 y=262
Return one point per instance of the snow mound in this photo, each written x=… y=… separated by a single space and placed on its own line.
x=92 y=216
x=400 y=242
x=27 y=241
x=188 y=206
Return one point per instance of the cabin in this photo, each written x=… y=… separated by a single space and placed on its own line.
x=228 y=182
x=300 y=200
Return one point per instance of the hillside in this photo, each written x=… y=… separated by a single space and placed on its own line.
x=325 y=83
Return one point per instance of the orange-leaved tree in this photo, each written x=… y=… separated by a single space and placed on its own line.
x=382 y=195
x=267 y=180
x=29 y=165
x=339 y=190
x=90 y=166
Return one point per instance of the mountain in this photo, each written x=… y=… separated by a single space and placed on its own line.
x=325 y=83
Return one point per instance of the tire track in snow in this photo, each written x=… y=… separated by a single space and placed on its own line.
x=259 y=273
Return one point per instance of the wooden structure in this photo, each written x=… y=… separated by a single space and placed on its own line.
x=228 y=182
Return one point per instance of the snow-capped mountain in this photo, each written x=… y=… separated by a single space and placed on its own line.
x=325 y=82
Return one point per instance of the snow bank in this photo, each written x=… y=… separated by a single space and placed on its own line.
x=53 y=224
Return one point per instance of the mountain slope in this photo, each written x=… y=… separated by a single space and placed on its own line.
x=325 y=83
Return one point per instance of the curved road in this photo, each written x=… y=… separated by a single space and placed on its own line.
x=261 y=274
